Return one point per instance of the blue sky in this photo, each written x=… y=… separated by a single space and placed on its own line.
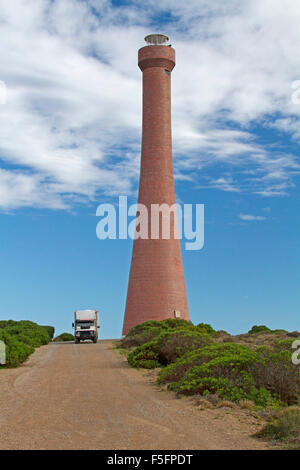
x=70 y=132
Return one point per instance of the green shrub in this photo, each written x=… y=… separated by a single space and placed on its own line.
x=285 y=427
x=144 y=356
x=224 y=388
x=168 y=347
x=264 y=329
x=64 y=337
x=177 y=371
x=220 y=333
x=193 y=362
x=177 y=323
x=283 y=344
x=148 y=334
x=21 y=338
x=50 y=330
x=144 y=332
x=223 y=371
x=16 y=351
x=205 y=328
x=147 y=331
x=6 y=323
x=266 y=377
x=142 y=327
x=275 y=371
x=28 y=333
x=173 y=344
x=259 y=329
x=169 y=323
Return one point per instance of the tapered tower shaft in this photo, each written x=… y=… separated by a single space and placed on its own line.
x=156 y=288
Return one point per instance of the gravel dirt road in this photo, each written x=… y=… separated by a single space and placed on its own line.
x=85 y=396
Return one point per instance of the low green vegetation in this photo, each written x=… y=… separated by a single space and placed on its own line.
x=263 y=329
x=196 y=359
x=21 y=338
x=64 y=337
x=284 y=428
x=50 y=330
x=235 y=372
x=259 y=329
x=167 y=346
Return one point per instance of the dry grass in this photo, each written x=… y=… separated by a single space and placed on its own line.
x=227 y=404
x=284 y=428
x=204 y=405
x=247 y=405
x=254 y=341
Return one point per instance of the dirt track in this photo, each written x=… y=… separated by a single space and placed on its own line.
x=85 y=396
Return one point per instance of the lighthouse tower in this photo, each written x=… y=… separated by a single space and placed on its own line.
x=156 y=288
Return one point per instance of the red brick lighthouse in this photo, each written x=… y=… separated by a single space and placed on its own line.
x=156 y=288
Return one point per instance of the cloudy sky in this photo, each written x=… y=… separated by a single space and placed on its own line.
x=70 y=129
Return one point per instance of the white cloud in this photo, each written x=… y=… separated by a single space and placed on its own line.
x=250 y=218
x=71 y=125
x=225 y=184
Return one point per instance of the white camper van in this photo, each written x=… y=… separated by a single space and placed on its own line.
x=86 y=325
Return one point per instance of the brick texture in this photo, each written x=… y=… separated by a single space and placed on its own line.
x=156 y=285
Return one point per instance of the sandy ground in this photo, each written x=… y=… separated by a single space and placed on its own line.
x=85 y=396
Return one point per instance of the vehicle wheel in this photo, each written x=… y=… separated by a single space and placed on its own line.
x=95 y=340
x=77 y=341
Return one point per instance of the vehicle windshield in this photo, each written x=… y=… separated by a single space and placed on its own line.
x=84 y=324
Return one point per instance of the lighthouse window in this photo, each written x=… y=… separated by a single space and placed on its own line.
x=167 y=72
